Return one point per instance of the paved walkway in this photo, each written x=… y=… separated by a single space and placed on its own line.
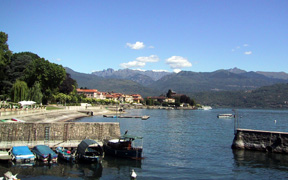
x=55 y=115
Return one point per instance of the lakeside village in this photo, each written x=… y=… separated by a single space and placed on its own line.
x=93 y=97
x=171 y=99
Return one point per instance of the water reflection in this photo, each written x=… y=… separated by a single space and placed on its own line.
x=60 y=169
x=113 y=162
x=256 y=159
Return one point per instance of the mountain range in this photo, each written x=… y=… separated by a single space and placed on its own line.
x=151 y=83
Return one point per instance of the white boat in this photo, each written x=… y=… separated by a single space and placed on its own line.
x=225 y=116
x=145 y=117
x=4 y=156
x=206 y=108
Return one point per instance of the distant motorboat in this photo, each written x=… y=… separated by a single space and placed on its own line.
x=206 y=108
x=145 y=117
x=225 y=116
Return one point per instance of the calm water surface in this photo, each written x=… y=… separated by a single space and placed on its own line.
x=180 y=144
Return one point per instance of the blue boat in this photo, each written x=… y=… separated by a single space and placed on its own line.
x=65 y=154
x=44 y=153
x=89 y=151
x=21 y=154
x=123 y=147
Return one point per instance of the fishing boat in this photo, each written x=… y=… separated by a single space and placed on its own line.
x=89 y=151
x=225 y=116
x=45 y=154
x=124 y=147
x=65 y=154
x=21 y=154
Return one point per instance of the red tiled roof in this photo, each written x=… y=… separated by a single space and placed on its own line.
x=87 y=90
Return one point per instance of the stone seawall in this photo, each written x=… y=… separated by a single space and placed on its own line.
x=55 y=133
x=270 y=141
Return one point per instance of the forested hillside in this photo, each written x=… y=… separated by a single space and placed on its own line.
x=274 y=96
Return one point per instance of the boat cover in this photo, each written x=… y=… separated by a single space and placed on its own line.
x=43 y=149
x=84 y=145
x=21 y=150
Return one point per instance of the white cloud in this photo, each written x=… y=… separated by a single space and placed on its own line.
x=152 y=58
x=159 y=70
x=137 y=45
x=248 y=52
x=133 y=64
x=177 y=70
x=178 y=62
x=245 y=45
x=58 y=59
x=151 y=47
x=140 y=61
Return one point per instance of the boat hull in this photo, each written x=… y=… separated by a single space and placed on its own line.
x=134 y=153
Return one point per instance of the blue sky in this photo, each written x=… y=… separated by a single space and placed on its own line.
x=170 y=35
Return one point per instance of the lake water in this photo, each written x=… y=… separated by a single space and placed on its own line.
x=180 y=144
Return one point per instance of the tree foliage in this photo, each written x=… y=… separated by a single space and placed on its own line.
x=67 y=85
x=35 y=93
x=20 y=91
x=49 y=75
x=19 y=62
x=5 y=55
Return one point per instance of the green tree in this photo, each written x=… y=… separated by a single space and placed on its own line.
x=67 y=85
x=35 y=93
x=20 y=91
x=19 y=62
x=169 y=93
x=5 y=55
x=49 y=75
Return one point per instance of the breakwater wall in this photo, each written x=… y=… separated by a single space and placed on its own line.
x=54 y=134
x=270 y=141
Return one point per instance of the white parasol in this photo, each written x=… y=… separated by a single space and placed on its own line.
x=23 y=103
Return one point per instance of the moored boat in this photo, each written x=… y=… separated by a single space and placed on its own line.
x=123 y=147
x=4 y=156
x=145 y=117
x=21 y=154
x=225 y=116
x=89 y=151
x=65 y=154
x=44 y=153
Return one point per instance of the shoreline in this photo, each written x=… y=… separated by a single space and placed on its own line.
x=59 y=115
x=70 y=113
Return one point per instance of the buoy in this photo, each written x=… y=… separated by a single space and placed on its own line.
x=133 y=174
x=275 y=121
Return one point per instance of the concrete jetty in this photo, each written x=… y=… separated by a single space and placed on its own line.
x=269 y=141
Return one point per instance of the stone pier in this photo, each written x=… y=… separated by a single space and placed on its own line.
x=66 y=134
x=270 y=141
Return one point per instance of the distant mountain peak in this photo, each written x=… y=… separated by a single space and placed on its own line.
x=236 y=70
x=132 y=74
